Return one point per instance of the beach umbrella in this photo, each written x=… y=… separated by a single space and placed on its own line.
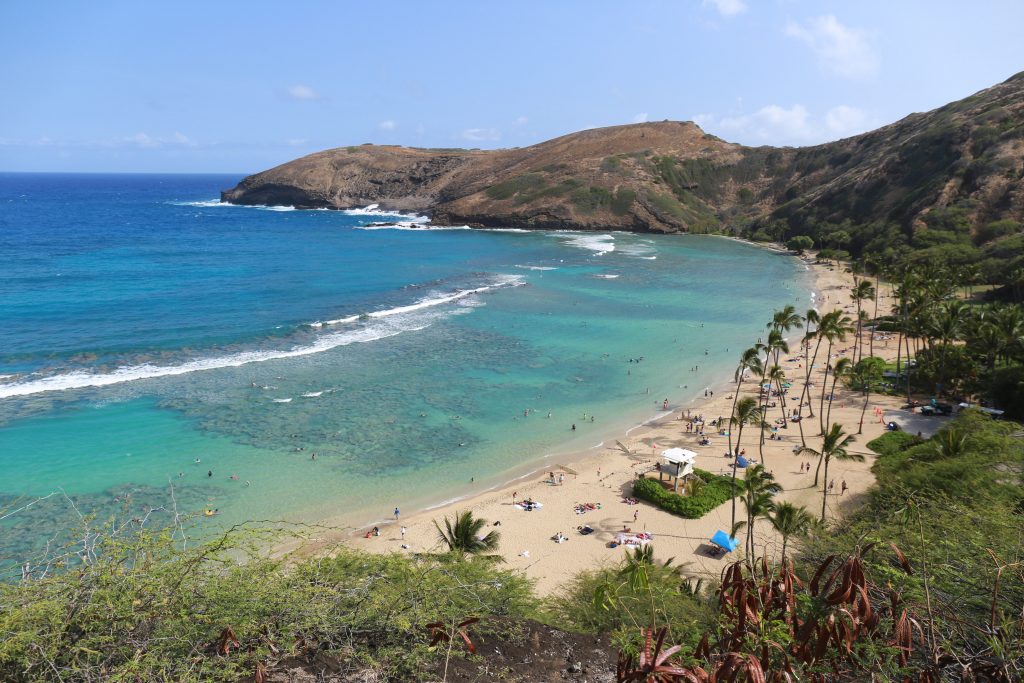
x=741 y=462
x=724 y=541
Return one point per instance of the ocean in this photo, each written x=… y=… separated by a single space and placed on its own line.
x=163 y=353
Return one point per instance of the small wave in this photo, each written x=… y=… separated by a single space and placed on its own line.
x=411 y=225
x=606 y=276
x=426 y=302
x=282 y=400
x=648 y=258
x=389 y=326
x=536 y=267
x=375 y=210
x=600 y=244
x=312 y=394
x=211 y=203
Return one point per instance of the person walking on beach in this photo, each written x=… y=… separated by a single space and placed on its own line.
x=514 y=494
x=397 y=513
x=574 y=426
x=831 y=485
x=843 y=487
x=403 y=533
x=636 y=514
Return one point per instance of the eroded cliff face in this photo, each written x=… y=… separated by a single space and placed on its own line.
x=673 y=177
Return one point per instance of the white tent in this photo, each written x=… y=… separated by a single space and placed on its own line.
x=683 y=461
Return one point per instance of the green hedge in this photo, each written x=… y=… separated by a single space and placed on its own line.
x=715 y=491
x=892 y=443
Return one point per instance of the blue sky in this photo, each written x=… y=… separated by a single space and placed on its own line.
x=242 y=86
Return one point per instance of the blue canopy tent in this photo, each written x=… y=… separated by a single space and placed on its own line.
x=722 y=540
x=742 y=462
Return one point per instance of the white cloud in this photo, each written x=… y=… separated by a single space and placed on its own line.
x=302 y=92
x=769 y=122
x=481 y=134
x=846 y=120
x=521 y=121
x=640 y=118
x=387 y=125
x=794 y=125
x=727 y=8
x=184 y=140
x=142 y=140
x=841 y=50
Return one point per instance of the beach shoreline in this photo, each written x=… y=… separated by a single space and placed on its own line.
x=603 y=475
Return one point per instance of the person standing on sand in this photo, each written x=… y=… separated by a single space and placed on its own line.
x=831 y=485
x=514 y=494
x=636 y=514
x=403 y=533
x=843 y=487
x=397 y=513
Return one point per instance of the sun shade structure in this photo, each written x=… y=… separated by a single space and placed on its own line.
x=723 y=540
x=682 y=459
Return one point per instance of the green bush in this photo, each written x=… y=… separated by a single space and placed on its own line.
x=144 y=610
x=509 y=188
x=713 y=492
x=623 y=201
x=891 y=443
x=626 y=605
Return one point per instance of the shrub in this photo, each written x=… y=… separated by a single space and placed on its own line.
x=509 y=188
x=623 y=200
x=715 y=491
x=892 y=443
x=145 y=610
x=800 y=243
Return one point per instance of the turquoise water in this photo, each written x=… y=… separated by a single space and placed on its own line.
x=145 y=326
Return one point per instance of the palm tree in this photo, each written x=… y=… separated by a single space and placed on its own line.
x=947 y=326
x=750 y=361
x=746 y=412
x=833 y=445
x=863 y=376
x=463 y=536
x=840 y=370
x=759 y=487
x=863 y=290
x=775 y=344
x=790 y=520
x=785 y=320
x=834 y=327
x=812 y=318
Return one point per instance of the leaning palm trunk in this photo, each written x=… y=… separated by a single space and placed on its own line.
x=874 y=320
x=864 y=408
x=832 y=397
x=824 y=486
x=824 y=387
x=735 y=459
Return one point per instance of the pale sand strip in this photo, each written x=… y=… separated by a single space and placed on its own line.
x=605 y=477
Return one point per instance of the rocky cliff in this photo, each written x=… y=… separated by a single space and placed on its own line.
x=674 y=177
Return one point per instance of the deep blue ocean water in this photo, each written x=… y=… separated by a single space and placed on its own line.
x=144 y=326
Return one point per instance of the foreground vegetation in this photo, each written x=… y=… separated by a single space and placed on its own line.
x=925 y=581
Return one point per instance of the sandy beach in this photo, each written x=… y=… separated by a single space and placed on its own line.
x=603 y=478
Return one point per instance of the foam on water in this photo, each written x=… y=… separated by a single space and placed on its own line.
x=374 y=210
x=216 y=203
x=426 y=302
x=393 y=321
x=600 y=244
x=536 y=267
